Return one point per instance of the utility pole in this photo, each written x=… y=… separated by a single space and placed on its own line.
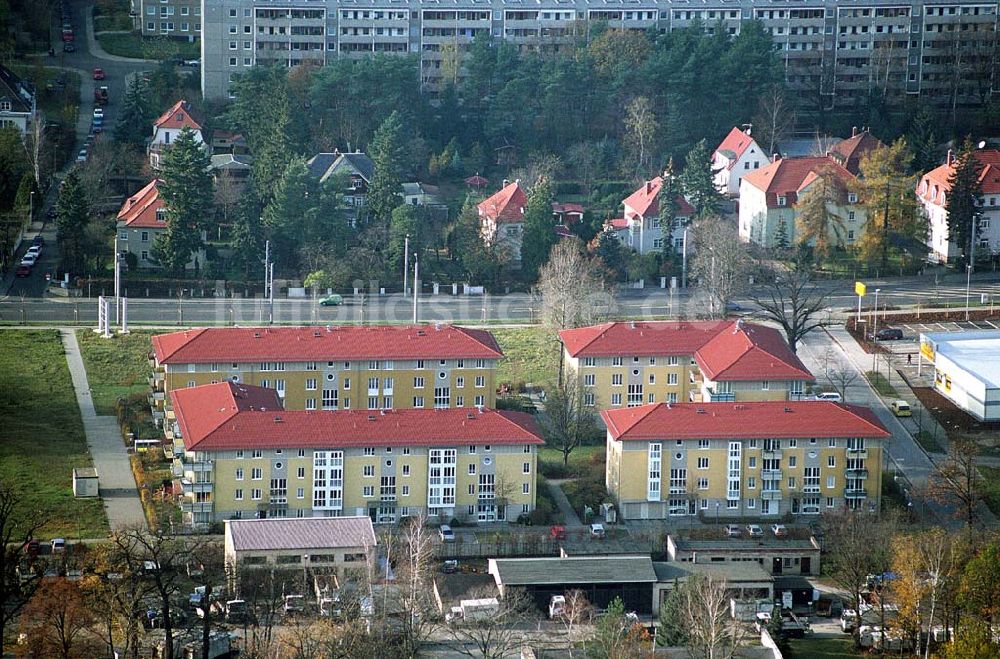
x=416 y=286
x=406 y=265
x=684 y=259
x=269 y=281
x=118 y=285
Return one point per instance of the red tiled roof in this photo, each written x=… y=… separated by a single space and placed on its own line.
x=178 y=116
x=617 y=223
x=645 y=200
x=989 y=177
x=734 y=144
x=139 y=210
x=772 y=419
x=640 y=339
x=566 y=208
x=250 y=344
x=749 y=352
x=227 y=416
x=507 y=205
x=849 y=152
x=785 y=177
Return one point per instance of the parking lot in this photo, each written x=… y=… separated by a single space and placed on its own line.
x=910 y=344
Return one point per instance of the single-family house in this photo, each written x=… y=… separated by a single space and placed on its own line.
x=420 y=194
x=932 y=192
x=230 y=173
x=501 y=218
x=169 y=125
x=737 y=155
x=140 y=222
x=17 y=101
x=849 y=153
x=769 y=197
x=356 y=168
x=641 y=228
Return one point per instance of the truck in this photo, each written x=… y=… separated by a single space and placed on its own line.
x=474 y=610
x=101 y=95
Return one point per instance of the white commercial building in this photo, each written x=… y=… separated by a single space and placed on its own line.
x=966 y=369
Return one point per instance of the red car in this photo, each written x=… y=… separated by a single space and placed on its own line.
x=98 y=74
x=67 y=36
x=23 y=271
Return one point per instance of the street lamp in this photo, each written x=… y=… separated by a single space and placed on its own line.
x=875 y=334
x=716 y=512
x=968 y=281
x=31 y=207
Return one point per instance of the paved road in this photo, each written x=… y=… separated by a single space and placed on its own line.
x=117 y=485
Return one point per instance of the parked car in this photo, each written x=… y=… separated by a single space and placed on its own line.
x=193 y=63
x=733 y=531
x=889 y=334
x=23 y=270
x=331 y=301
x=67 y=36
x=597 y=530
x=557 y=532
x=99 y=112
x=99 y=74
x=29 y=259
x=779 y=530
x=35 y=249
x=68 y=48
x=831 y=396
x=38 y=240
x=446 y=534
x=82 y=156
x=31 y=547
x=58 y=545
x=450 y=567
x=755 y=531
x=900 y=408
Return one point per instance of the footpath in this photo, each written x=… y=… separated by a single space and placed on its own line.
x=114 y=473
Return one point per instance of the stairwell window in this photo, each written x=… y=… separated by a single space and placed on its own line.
x=782 y=201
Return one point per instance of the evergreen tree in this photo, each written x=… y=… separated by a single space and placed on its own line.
x=247 y=239
x=384 y=191
x=539 y=235
x=964 y=201
x=612 y=253
x=672 y=632
x=136 y=115
x=667 y=201
x=72 y=215
x=291 y=211
x=698 y=182
x=22 y=200
x=186 y=189
x=406 y=221
x=922 y=138
x=13 y=165
x=817 y=225
x=776 y=629
x=781 y=241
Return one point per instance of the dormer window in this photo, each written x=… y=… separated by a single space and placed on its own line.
x=4 y=106
x=852 y=198
x=782 y=201
x=161 y=216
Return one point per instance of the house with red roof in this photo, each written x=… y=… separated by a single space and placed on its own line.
x=737 y=155
x=640 y=226
x=501 y=218
x=769 y=197
x=625 y=364
x=728 y=461
x=241 y=454
x=932 y=192
x=849 y=153
x=168 y=126
x=140 y=221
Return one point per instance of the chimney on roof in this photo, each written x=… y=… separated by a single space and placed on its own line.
x=517 y=181
x=950 y=158
x=631 y=324
x=854 y=131
x=505 y=183
x=649 y=187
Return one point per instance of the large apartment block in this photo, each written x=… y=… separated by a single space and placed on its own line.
x=765 y=459
x=836 y=51
x=628 y=364
x=335 y=368
x=241 y=455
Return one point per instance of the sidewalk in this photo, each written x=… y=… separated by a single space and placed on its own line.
x=94 y=46
x=571 y=519
x=117 y=485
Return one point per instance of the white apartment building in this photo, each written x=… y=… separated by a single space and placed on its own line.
x=932 y=191
x=838 y=51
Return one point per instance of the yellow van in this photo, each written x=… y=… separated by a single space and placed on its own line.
x=900 y=408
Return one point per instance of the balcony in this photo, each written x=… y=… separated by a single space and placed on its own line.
x=156 y=399
x=856 y=494
x=156 y=381
x=860 y=453
x=770 y=474
x=714 y=397
x=857 y=473
x=189 y=487
x=771 y=495
x=770 y=455
x=810 y=489
x=177 y=467
x=196 y=507
x=201 y=466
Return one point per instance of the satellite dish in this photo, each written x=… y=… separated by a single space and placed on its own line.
x=981 y=145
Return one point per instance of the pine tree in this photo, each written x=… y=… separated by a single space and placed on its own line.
x=387 y=154
x=72 y=215
x=135 y=118
x=781 y=241
x=964 y=201
x=291 y=212
x=667 y=201
x=698 y=182
x=539 y=235
x=406 y=221
x=671 y=631
x=186 y=189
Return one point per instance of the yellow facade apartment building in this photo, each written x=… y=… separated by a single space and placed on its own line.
x=625 y=364
x=726 y=461
x=242 y=455
x=334 y=368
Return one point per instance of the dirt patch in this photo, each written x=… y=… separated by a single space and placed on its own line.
x=956 y=422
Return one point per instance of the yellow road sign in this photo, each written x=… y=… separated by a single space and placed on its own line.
x=859 y=288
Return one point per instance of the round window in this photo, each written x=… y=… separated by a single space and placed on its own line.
x=388 y=463
x=635 y=371
x=678 y=456
x=442 y=375
x=812 y=455
x=277 y=465
x=329 y=376
x=236 y=378
x=487 y=461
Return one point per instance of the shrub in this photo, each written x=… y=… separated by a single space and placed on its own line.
x=585 y=492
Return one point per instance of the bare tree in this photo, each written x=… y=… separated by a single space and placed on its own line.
x=416 y=600
x=18 y=525
x=568 y=419
x=712 y=632
x=841 y=375
x=774 y=120
x=573 y=287
x=640 y=131
x=206 y=569
x=227 y=195
x=494 y=636
x=116 y=593
x=33 y=142
x=721 y=264
x=957 y=480
x=791 y=299
x=618 y=635
x=261 y=589
x=56 y=620
x=577 y=611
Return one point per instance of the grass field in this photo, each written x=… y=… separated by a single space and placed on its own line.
x=992 y=477
x=580 y=457
x=822 y=648
x=136 y=47
x=115 y=367
x=532 y=355
x=880 y=384
x=43 y=437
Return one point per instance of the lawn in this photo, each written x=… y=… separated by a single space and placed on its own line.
x=822 y=648
x=992 y=477
x=116 y=367
x=929 y=442
x=579 y=459
x=137 y=47
x=532 y=355
x=43 y=434
x=880 y=384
